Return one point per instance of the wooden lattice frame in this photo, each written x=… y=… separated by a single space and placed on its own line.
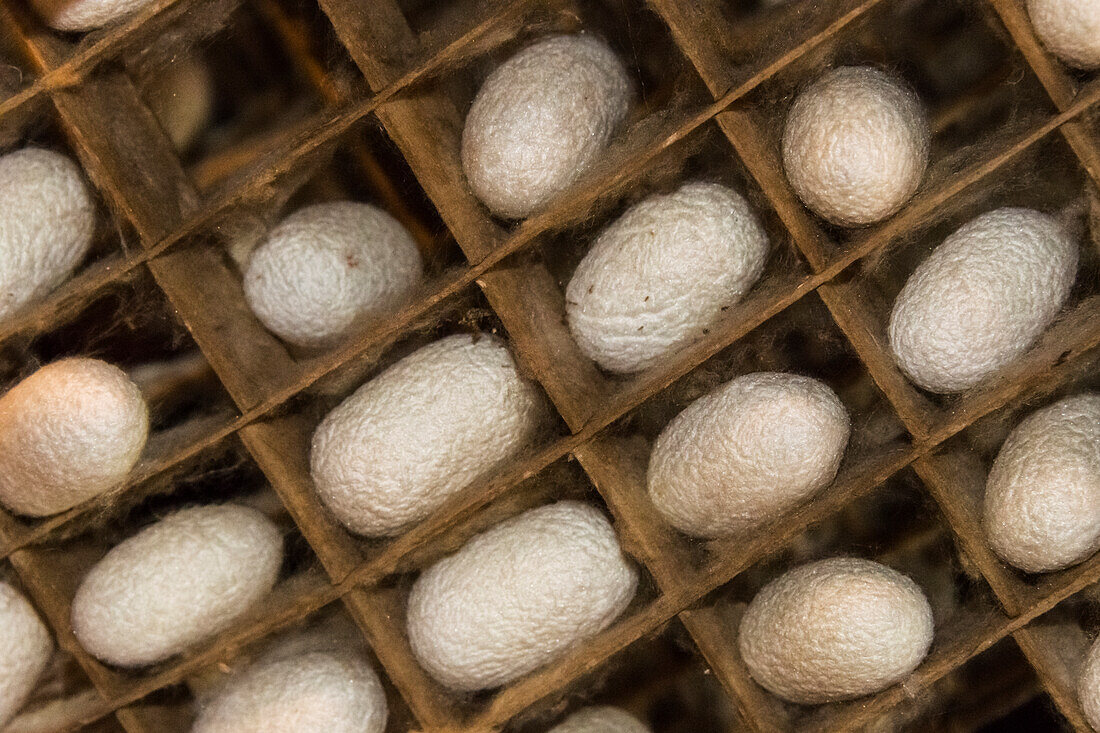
x=112 y=131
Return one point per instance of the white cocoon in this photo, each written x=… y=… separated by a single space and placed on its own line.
x=746 y=452
x=176 y=583
x=47 y=219
x=331 y=691
x=25 y=649
x=182 y=98
x=1042 y=498
x=85 y=15
x=600 y=719
x=540 y=120
x=518 y=595
x=326 y=266
x=1070 y=29
x=834 y=630
x=982 y=298
x=1088 y=686
x=422 y=430
x=662 y=273
x=855 y=145
x=68 y=432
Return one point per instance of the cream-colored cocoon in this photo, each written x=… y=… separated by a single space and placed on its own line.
x=331 y=690
x=421 y=431
x=1042 y=498
x=176 y=583
x=327 y=266
x=601 y=719
x=855 y=145
x=1070 y=29
x=748 y=451
x=47 y=219
x=982 y=298
x=68 y=432
x=662 y=273
x=182 y=98
x=85 y=15
x=519 y=595
x=540 y=120
x=25 y=650
x=1088 y=686
x=835 y=629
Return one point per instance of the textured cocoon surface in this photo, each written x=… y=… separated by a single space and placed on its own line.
x=422 y=430
x=518 y=595
x=600 y=719
x=659 y=275
x=855 y=145
x=47 y=219
x=1088 y=686
x=327 y=265
x=982 y=298
x=540 y=120
x=68 y=432
x=330 y=691
x=176 y=583
x=85 y=15
x=1042 y=498
x=1070 y=29
x=25 y=649
x=834 y=630
x=182 y=98
x=746 y=452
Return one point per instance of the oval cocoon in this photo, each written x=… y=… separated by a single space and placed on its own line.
x=1070 y=29
x=1042 y=498
x=182 y=98
x=600 y=719
x=25 y=650
x=834 y=630
x=855 y=145
x=331 y=691
x=47 y=219
x=515 y=597
x=68 y=432
x=176 y=583
x=747 y=452
x=85 y=15
x=422 y=430
x=327 y=266
x=1088 y=686
x=540 y=120
x=982 y=298
x=657 y=277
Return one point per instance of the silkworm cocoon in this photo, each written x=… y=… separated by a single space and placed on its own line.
x=333 y=691
x=176 y=583
x=25 y=649
x=422 y=430
x=855 y=145
x=663 y=272
x=182 y=98
x=834 y=630
x=601 y=719
x=982 y=298
x=327 y=266
x=1088 y=686
x=85 y=15
x=540 y=120
x=1042 y=498
x=515 y=597
x=746 y=452
x=1070 y=29
x=47 y=219
x=68 y=432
